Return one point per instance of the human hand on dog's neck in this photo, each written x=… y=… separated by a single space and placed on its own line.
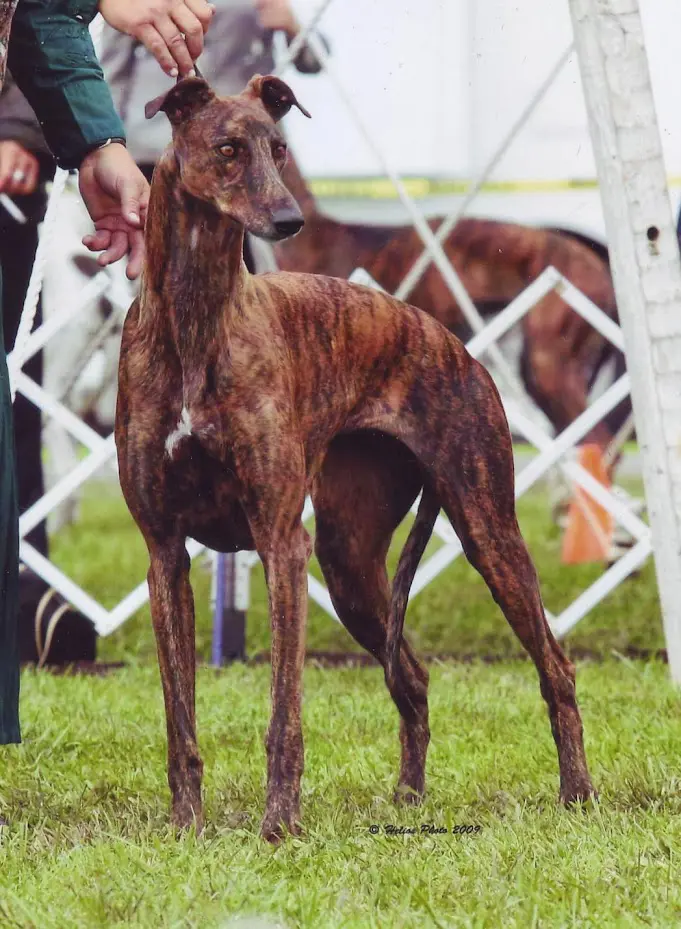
x=116 y=194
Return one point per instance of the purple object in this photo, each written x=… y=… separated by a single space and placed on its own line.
x=218 y=615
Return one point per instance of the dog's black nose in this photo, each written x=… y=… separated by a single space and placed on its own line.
x=287 y=222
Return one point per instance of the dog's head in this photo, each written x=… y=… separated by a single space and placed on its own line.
x=230 y=152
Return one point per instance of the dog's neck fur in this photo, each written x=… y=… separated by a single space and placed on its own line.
x=194 y=273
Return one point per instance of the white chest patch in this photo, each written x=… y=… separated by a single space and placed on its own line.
x=181 y=431
x=194 y=238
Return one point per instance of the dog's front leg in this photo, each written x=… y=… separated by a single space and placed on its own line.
x=172 y=611
x=285 y=567
x=284 y=547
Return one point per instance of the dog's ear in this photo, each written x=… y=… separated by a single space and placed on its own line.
x=181 y=101
x=276 y=96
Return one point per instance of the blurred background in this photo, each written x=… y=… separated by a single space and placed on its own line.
x=441 y=82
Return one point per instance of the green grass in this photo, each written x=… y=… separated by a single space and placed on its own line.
x=89 y=842
x=105 y=553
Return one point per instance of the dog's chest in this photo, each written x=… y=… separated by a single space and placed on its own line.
x=192 y=426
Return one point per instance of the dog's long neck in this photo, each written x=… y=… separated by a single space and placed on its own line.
x=194 y=273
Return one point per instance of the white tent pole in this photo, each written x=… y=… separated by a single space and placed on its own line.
x=646 y=267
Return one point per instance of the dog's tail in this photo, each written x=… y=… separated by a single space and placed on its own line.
x=411 y=555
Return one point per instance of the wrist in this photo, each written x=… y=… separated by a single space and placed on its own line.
x=97 y=147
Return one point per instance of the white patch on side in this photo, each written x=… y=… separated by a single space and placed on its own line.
x=194 y=238
x=183 y=429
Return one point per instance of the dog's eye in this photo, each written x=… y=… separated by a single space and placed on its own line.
x=279 y=150
x=228 y=150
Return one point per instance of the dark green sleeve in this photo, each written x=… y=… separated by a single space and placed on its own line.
x=53 y=61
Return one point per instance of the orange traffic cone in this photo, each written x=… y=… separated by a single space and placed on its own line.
x=588 y=536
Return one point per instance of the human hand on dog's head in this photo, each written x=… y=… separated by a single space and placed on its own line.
x=116 y=195
x=172 y=30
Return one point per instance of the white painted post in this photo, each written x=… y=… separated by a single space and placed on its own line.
x=646 y=266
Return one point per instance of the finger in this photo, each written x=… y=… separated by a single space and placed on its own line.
x=188 y=24
x=136 y=243
x=175 y=44
x=7 y=161
x=29 y=168
x=202 y=10
x=112 y=221
x=154 y=43
x=97 y=241
x=132 y=202
x=116 y=250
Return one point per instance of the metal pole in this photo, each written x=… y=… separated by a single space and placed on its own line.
x=229 y=614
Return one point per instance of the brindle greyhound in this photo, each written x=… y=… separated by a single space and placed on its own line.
x=239 y=394
x=562 y=353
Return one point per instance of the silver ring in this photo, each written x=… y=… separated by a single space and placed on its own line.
x=18 y=176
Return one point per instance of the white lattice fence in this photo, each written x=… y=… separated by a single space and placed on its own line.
x=551 y=451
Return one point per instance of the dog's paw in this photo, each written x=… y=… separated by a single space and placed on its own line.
x=407 y=795
x=277 y=824
x=578 y=794
x=185 y=815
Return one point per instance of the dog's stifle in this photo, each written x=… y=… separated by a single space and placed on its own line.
x=239 y=394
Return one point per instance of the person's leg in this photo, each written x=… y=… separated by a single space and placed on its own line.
x=9 y=569
x=73 y=638
x=17 y=252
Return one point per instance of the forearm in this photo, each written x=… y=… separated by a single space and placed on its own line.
x=53 y=61
x=18 y=122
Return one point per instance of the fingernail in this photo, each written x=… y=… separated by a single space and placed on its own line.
x=191 y=73
x=133 y=217
x=173 y=72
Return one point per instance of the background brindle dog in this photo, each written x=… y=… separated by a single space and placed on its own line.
x=240 y=393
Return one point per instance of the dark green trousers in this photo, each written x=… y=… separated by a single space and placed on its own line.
x=9 y=567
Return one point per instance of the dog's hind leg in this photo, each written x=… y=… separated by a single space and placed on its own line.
x=172 y=612
x=366 y=488
x=478 y=496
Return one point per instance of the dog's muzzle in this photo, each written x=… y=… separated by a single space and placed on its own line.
x=287 y=222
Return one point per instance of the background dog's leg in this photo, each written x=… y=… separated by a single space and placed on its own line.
x=367 y=486
x=559 y=352
x=172 y=611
